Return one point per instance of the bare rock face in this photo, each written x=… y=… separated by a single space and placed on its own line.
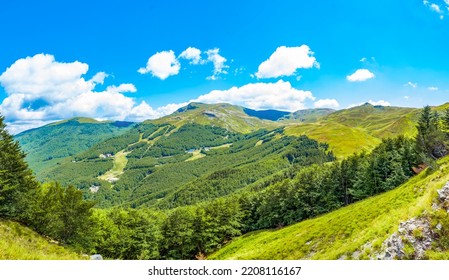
x=415 y=232
x=443 y=197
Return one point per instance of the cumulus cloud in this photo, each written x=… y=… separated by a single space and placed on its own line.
x=40 y=90
x=360 y=75
x=432 y=88
x=280 y=95
x=162 y=65
x=192 y=54
x=218 y=61
x=326 y=103
x=285 y=61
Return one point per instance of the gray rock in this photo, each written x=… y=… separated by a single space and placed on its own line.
x=96 y=257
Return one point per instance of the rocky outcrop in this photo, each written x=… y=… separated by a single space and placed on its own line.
x=443 y=198
x=416 y=235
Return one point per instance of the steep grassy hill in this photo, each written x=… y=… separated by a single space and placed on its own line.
x=359 y=231
x=18 y=242
x=46 y=146
x=378 y=121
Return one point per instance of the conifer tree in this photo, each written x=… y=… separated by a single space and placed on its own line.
x=430 y=141
x=17 y=184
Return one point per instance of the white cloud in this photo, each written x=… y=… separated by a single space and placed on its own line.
x=360 y=75
x=410 y=84
x=406 y=97
x=192 y=54
x=326 y=103
x=218 y=61
x=363 y=59
x=285 y=61
x=374 y=103
x=280 y=95
x=379 y=102
x=122 y=88
x=162 y=65
x=432 y=88
x=41 y=90
x=436 y=8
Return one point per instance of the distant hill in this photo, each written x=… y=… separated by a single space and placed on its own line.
x=231 y=117
x=360 y=230
x=378 y=121
x=308 y=115
x=358 y=128
x=272 y=115
x=18 y=242
x=47 y=145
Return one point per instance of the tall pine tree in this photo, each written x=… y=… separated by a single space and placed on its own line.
x=17 y=184
x=430 y=141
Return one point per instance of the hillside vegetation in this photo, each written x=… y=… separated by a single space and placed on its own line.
x=49 y=145
x=358 y=128
x=18 y=242
x=355 y=231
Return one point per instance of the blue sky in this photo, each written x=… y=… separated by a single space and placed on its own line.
x=138 y=60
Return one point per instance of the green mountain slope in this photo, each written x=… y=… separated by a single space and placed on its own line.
x=18 y=242
x=377 y=120
x=308 y=115
x=167 y=166
x=227 y=116
x=359 y=230
x=46 y=146
x=358 y=128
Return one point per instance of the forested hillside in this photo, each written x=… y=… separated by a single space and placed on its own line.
x=46 y=146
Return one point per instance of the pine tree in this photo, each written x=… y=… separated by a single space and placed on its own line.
x=17 y=184
x=430 y=141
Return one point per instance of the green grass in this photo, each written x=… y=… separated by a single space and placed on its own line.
x=359 y=128
x=376 y=120
x=118 y=167
x=18 y=242
x=342 y=140
x=341 y=233
x=196 y=155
